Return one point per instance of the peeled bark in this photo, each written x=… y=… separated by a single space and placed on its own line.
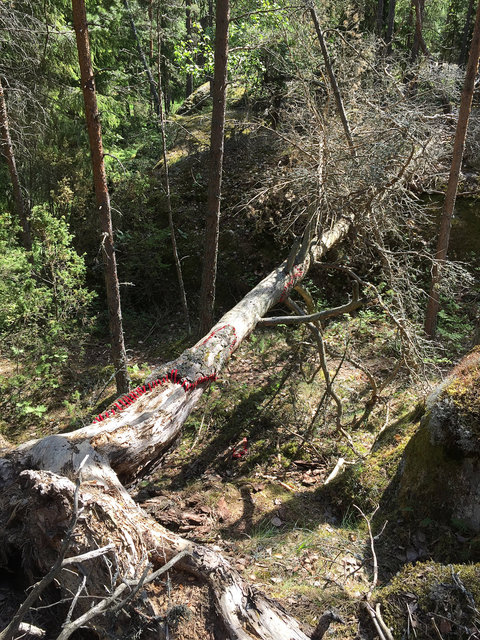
x=36 y=485
x=102 y=196
x=7 y=149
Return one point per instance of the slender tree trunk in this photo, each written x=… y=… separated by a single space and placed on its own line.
x=390 y=25
x=418 y=41
x=466 y=34
x=173 y=237
x=210 y=13
x=188 y=28
x=101 y=195
x=333 y=81
x=150 y=22
x=219 y=96
x=151 y=81
x=451 y=193
x=7 y=149
x=379 y=17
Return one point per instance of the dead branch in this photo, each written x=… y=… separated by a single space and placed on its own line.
x=111 y=603
x=383 y=631
x=10 y=630
x=320 y=316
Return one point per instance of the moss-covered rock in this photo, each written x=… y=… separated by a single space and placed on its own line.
x=440 y=473
x=366 y=482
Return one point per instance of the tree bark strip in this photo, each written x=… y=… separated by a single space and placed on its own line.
x=7 y=148
x=102 y=196
x=452 y=186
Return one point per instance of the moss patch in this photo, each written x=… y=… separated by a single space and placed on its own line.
x=365 y=483
x=431 y=600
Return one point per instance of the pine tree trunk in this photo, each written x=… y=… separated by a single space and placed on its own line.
x=390 y=25
x=418 y=41
x=379 y=18
x=7 y=149
x=451 y=193
x=466 y=34
x=173 y=235
x=219 y=96
x=150 y=23
x=101 y=195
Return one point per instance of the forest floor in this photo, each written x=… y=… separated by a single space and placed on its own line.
x=287 y=528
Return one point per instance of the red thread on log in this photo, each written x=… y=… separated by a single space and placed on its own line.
x=297 y=273
x=127 y=400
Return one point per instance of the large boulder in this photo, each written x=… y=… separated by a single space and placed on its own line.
x=440 y=471
x=196 y=100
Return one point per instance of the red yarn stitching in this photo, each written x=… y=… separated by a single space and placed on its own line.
x=235 y=340
x=128 y=399
x=295 y=275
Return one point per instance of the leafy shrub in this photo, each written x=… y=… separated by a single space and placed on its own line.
x=44 y=307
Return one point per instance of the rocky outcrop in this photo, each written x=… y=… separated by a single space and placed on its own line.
x=440 y=471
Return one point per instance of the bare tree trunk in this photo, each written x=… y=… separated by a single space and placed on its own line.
x=37 y=493
x=418 y=41
x=219 y=96
x=176 y=259
x=333 y=81
x=466 y=34
x=150 y=23
x=390 y=25
x=151 y=81
x=188 y=28
x=379 y=18
x=451 y=193
x=7 y=148
x=101 y=195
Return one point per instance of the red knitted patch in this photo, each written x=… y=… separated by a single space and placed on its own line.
x=126 y=400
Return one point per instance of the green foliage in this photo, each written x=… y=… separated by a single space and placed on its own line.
x=44 y=308
x=189 y=51
x=455 y=328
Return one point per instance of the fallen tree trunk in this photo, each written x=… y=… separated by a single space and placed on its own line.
x=37 y=489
